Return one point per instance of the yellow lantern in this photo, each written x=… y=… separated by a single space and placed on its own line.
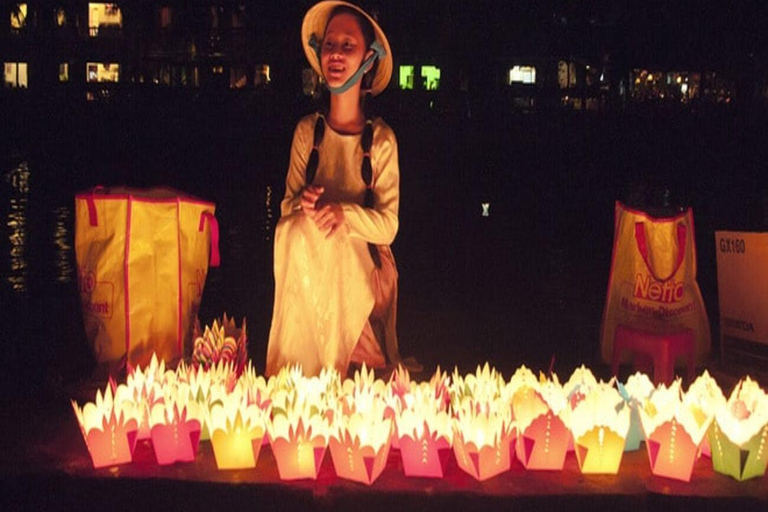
x=109 y=426
x=673 y=431
x=739 y=433
x=599 y=424
x=708 y=398
x=237 y=429
x=145 y=390
x=484 y=386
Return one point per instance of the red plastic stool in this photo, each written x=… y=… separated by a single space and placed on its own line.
x=663 y=349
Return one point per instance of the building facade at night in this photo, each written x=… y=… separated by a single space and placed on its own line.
x=77 y=49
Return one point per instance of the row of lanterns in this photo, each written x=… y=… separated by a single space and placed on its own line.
x=484 y=420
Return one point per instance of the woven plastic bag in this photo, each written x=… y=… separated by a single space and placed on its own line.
x=652 y=286
x=142 y=259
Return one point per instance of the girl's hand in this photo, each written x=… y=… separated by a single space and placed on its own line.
x=329 y=218
x=309 y=198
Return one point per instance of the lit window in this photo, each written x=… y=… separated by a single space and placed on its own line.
x=166 y=17
x=15 y=75
x=522 y=75
x=261 y=75
x=237 y=78
x=104 y=18
x=101 y=72
x=61 y=17
x=64 y=72
x=431 y=76
x=19 y=16
x=406 y=78
x=217 y=70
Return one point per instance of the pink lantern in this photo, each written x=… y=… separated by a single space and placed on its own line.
x=109 y=427
x=175 y=428
x=483 y=439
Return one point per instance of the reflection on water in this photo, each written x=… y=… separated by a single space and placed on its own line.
x=61 y=242
x=16 y=220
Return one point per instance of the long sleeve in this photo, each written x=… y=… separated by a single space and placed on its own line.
x=295 y=179
x=379 y=224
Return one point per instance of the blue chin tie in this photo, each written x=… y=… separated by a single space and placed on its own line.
x=378 y=53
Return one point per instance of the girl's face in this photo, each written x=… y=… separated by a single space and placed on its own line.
x=343 y=49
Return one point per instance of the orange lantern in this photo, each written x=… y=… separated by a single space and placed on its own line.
x=175 y=428
x=237 y=429
x=425 y=434
x=542 y=416
x=673 y=431
x=739 y=433
x=483 y=438
x=109 y=427
x=599 y=425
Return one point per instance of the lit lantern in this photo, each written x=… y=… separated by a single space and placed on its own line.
x=673 y=430
x=175 y=428
x=580 y=383
x=739 y=433
x=237 y=430
x=109 y=427
x=483 y=438
x=708 y=398
x=403 y=395
x=145 y=390
x=484 y=386
x=542 y=415
x=424 y=429
x=599 y=424
x=635 y=391
x=300 y=426
x=223 y=342
x=359 y=443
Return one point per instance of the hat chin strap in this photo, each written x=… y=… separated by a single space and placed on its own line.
x=378 y=53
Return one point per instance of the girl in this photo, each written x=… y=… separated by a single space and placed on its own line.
x=335 y=277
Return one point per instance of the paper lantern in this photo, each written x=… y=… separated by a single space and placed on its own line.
x=145 y=387
x=425 y=432
x=579 y=384
x=707 y=399
x=175 y=428
x=599 y=424
x=359 y=443
x=673 y=430
x=483 y=438
x=638 y=388
x=542 y=415
x=221 y=342
x=109 y=426
x=484 y=386
x=237 y=430
x=739 y=432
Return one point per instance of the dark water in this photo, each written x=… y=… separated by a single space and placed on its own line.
x=519 y=286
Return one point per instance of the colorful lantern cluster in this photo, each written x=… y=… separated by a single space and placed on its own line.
x=479 y=420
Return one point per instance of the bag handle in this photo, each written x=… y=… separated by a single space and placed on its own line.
x=211 y=218
x=642 y=246
x=93 y=218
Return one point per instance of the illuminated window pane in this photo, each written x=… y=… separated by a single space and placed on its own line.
x=64 y=72
x=61 y=17
x=431 y=77
x=15 y=75
x=19 y=16
x=217 y=70
x=166 y=17
x=237 y=78
x=104 y=18
x=522 y=75
x=406 y=78
x=261 y=75
x=101 y=72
